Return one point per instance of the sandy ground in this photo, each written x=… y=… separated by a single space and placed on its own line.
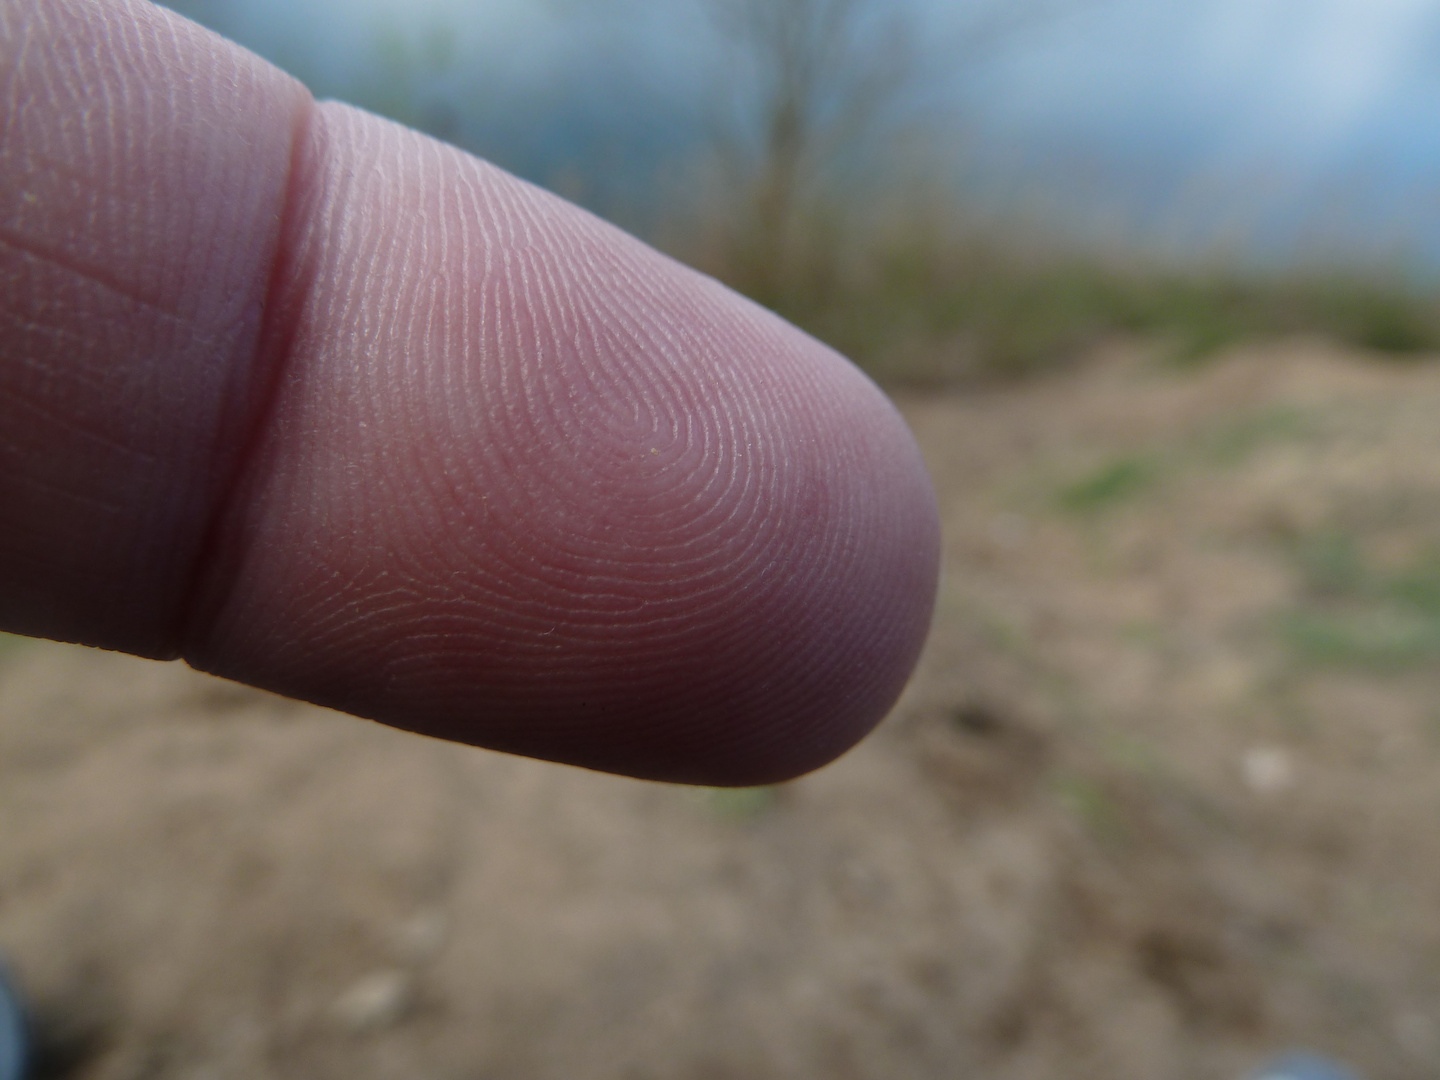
x=1162 y=800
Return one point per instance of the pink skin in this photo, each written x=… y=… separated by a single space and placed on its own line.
x=325 y=406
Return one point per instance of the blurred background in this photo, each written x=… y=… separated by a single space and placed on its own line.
x=897 y=174
x=1153 y=281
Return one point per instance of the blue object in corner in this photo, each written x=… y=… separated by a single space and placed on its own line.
x=13 y=1049
x=1304 y=1066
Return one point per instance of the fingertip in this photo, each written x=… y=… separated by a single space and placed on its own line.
x=530 y=485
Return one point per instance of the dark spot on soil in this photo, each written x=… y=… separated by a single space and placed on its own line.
x=1209 y=989
x=978 y=718
x=68 y=1034
x=1010 y=1025
x=983 y=755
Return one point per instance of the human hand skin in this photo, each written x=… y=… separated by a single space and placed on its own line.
x=322 y=405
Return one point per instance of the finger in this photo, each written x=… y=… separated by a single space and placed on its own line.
x=144 y=164
x=402 y=435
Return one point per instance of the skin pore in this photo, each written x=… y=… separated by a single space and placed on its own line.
x=323 y=405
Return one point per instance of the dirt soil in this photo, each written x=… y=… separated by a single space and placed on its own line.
x=1164 y=799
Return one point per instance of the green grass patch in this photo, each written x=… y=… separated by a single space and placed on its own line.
x=1360 y=615
x=1110 y=484
x=1230 y=444
x=1418 y=586
x=1331 y=565
x=1144 y=634
x=1092 y=805
x=1235 y=441
x=740 y=804
x=1382 y=638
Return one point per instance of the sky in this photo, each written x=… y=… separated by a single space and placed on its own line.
x=1267 y=114
x=1299 y=75
x=1190 y=120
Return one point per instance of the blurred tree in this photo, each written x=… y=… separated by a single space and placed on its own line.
x=819 y=90
x=815 y=80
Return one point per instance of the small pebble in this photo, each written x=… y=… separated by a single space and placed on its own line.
x=1268 y=770
x=379 y=1000
x=420 y=937
x=1418 y=1035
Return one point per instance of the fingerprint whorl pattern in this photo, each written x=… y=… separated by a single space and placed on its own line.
x=598 y=491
